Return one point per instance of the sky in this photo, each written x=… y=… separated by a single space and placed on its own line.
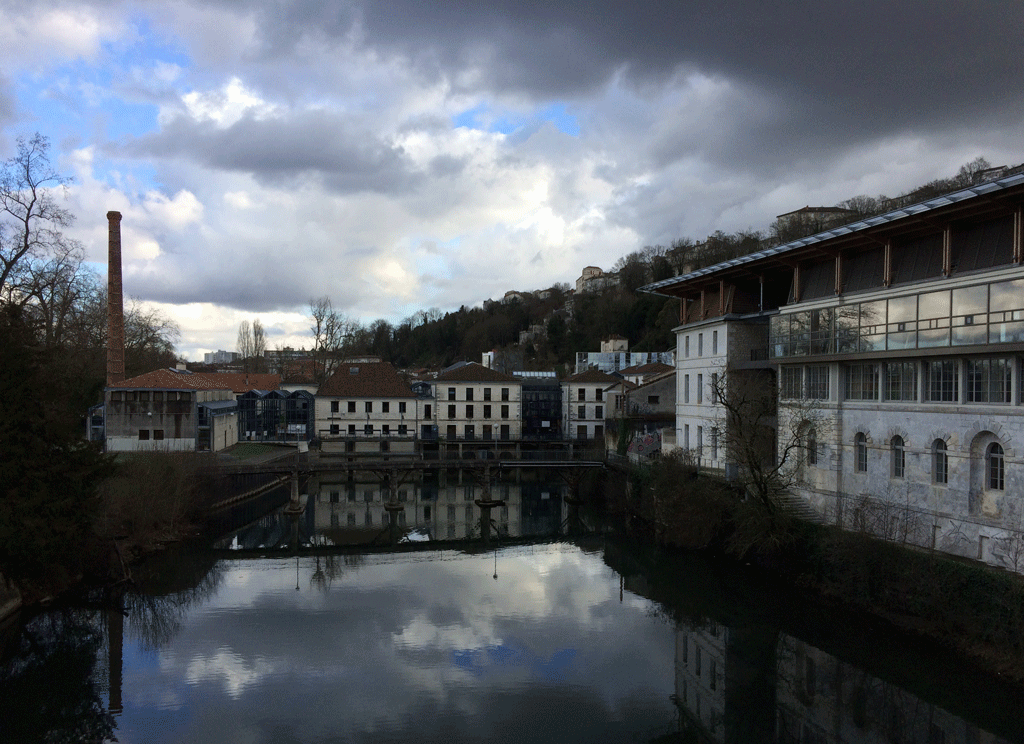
x=409 y=155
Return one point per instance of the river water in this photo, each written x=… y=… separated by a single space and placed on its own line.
x=286 y=633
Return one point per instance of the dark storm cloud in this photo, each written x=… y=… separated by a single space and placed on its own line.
x=833 y=71
x=275 y=150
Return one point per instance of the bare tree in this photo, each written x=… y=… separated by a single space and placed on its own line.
x=259 y=345
x=768 y=444
x=31 y=220
x=244 y=345
x=332 y=336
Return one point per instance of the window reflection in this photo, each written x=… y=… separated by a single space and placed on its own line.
x=977 y=315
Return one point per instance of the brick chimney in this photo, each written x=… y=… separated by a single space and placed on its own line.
x=115 y=303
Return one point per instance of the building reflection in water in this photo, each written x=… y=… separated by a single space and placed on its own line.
x=752 y=684
x=358 y=508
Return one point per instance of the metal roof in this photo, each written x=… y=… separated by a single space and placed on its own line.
x=911 y=210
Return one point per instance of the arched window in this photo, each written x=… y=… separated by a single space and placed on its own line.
x=812 y=446
x=860 y=445
x=899 y=456
x=940 y=462
x=994 y=466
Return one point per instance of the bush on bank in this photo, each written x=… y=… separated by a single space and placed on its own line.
x=966 y=604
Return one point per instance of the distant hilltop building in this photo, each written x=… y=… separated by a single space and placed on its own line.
x=593 y=279
x=615 y=355
x=220 y=357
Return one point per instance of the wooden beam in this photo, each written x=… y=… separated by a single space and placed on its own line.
x=947 y=250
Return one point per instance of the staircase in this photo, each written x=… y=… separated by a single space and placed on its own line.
x=799 y=508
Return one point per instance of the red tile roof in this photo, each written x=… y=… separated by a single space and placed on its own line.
x=474 y=372
x=172 y=379
x=593 y=375
x=366 y=380
x=651 y=368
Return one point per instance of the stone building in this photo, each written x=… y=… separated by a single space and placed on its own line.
x=897 y=347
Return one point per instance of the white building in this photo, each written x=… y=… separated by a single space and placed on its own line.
x=584 y=406
x=366 y=406
x=473 y=402
x=898 y=345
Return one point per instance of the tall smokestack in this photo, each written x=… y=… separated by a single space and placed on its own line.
x=115 y=303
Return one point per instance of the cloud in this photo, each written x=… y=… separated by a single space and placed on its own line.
x=397 y=156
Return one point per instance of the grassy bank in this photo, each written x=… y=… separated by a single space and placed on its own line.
x=967 y=605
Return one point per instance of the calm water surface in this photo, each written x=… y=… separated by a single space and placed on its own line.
x=422 y=646
x=287 y=633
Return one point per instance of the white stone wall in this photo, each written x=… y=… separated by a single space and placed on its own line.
x=962 y=516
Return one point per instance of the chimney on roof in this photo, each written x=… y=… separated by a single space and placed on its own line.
x=115 y=305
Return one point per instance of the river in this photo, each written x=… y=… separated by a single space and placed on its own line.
x=287 y=631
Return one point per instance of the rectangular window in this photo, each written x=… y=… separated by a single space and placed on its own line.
x=599 y=412
x=470 y=431
x=861 y=382
x=385 y=407
x=368 y=430
x=451 y=393
x=792 y=383
x=487 y=412
x=158 y=434
x=426 y=411
x=351 y=406
x=504 y=393
x=686 y=346
x=599 y=394
x=505 y=433
x=469 y=412
x=403 y=430
x=487 y=393
x=452 y=431
x=700 y=344
x=700 y=388
x=352 y=429
x=686 y=388
x=469 y=393
x=335 y=429
x=581 y=412
x=714 y=342
x=504 y=412
x=401 y=407
x=817 y=382
x=143 y=435
x=942 y=381
x=581 y=394
x=451 y=412
x=335 y=406
x=714 y=387
x=385 y=430
x=653 y=400
x=368 y=408
x=988 y=380
x=686 y=436
x=901 y=381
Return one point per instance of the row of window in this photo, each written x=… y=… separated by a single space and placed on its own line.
x=985 y=380
x=995 y=461
x=385 y=406
x=982 y=314
x=700 y=388
x=471 y=411
x=581 y=412
x=470 y=393
x=144 y=396
x=700 y=344
x=369 y=430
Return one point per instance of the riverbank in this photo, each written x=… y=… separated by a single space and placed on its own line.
x=967 y=606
